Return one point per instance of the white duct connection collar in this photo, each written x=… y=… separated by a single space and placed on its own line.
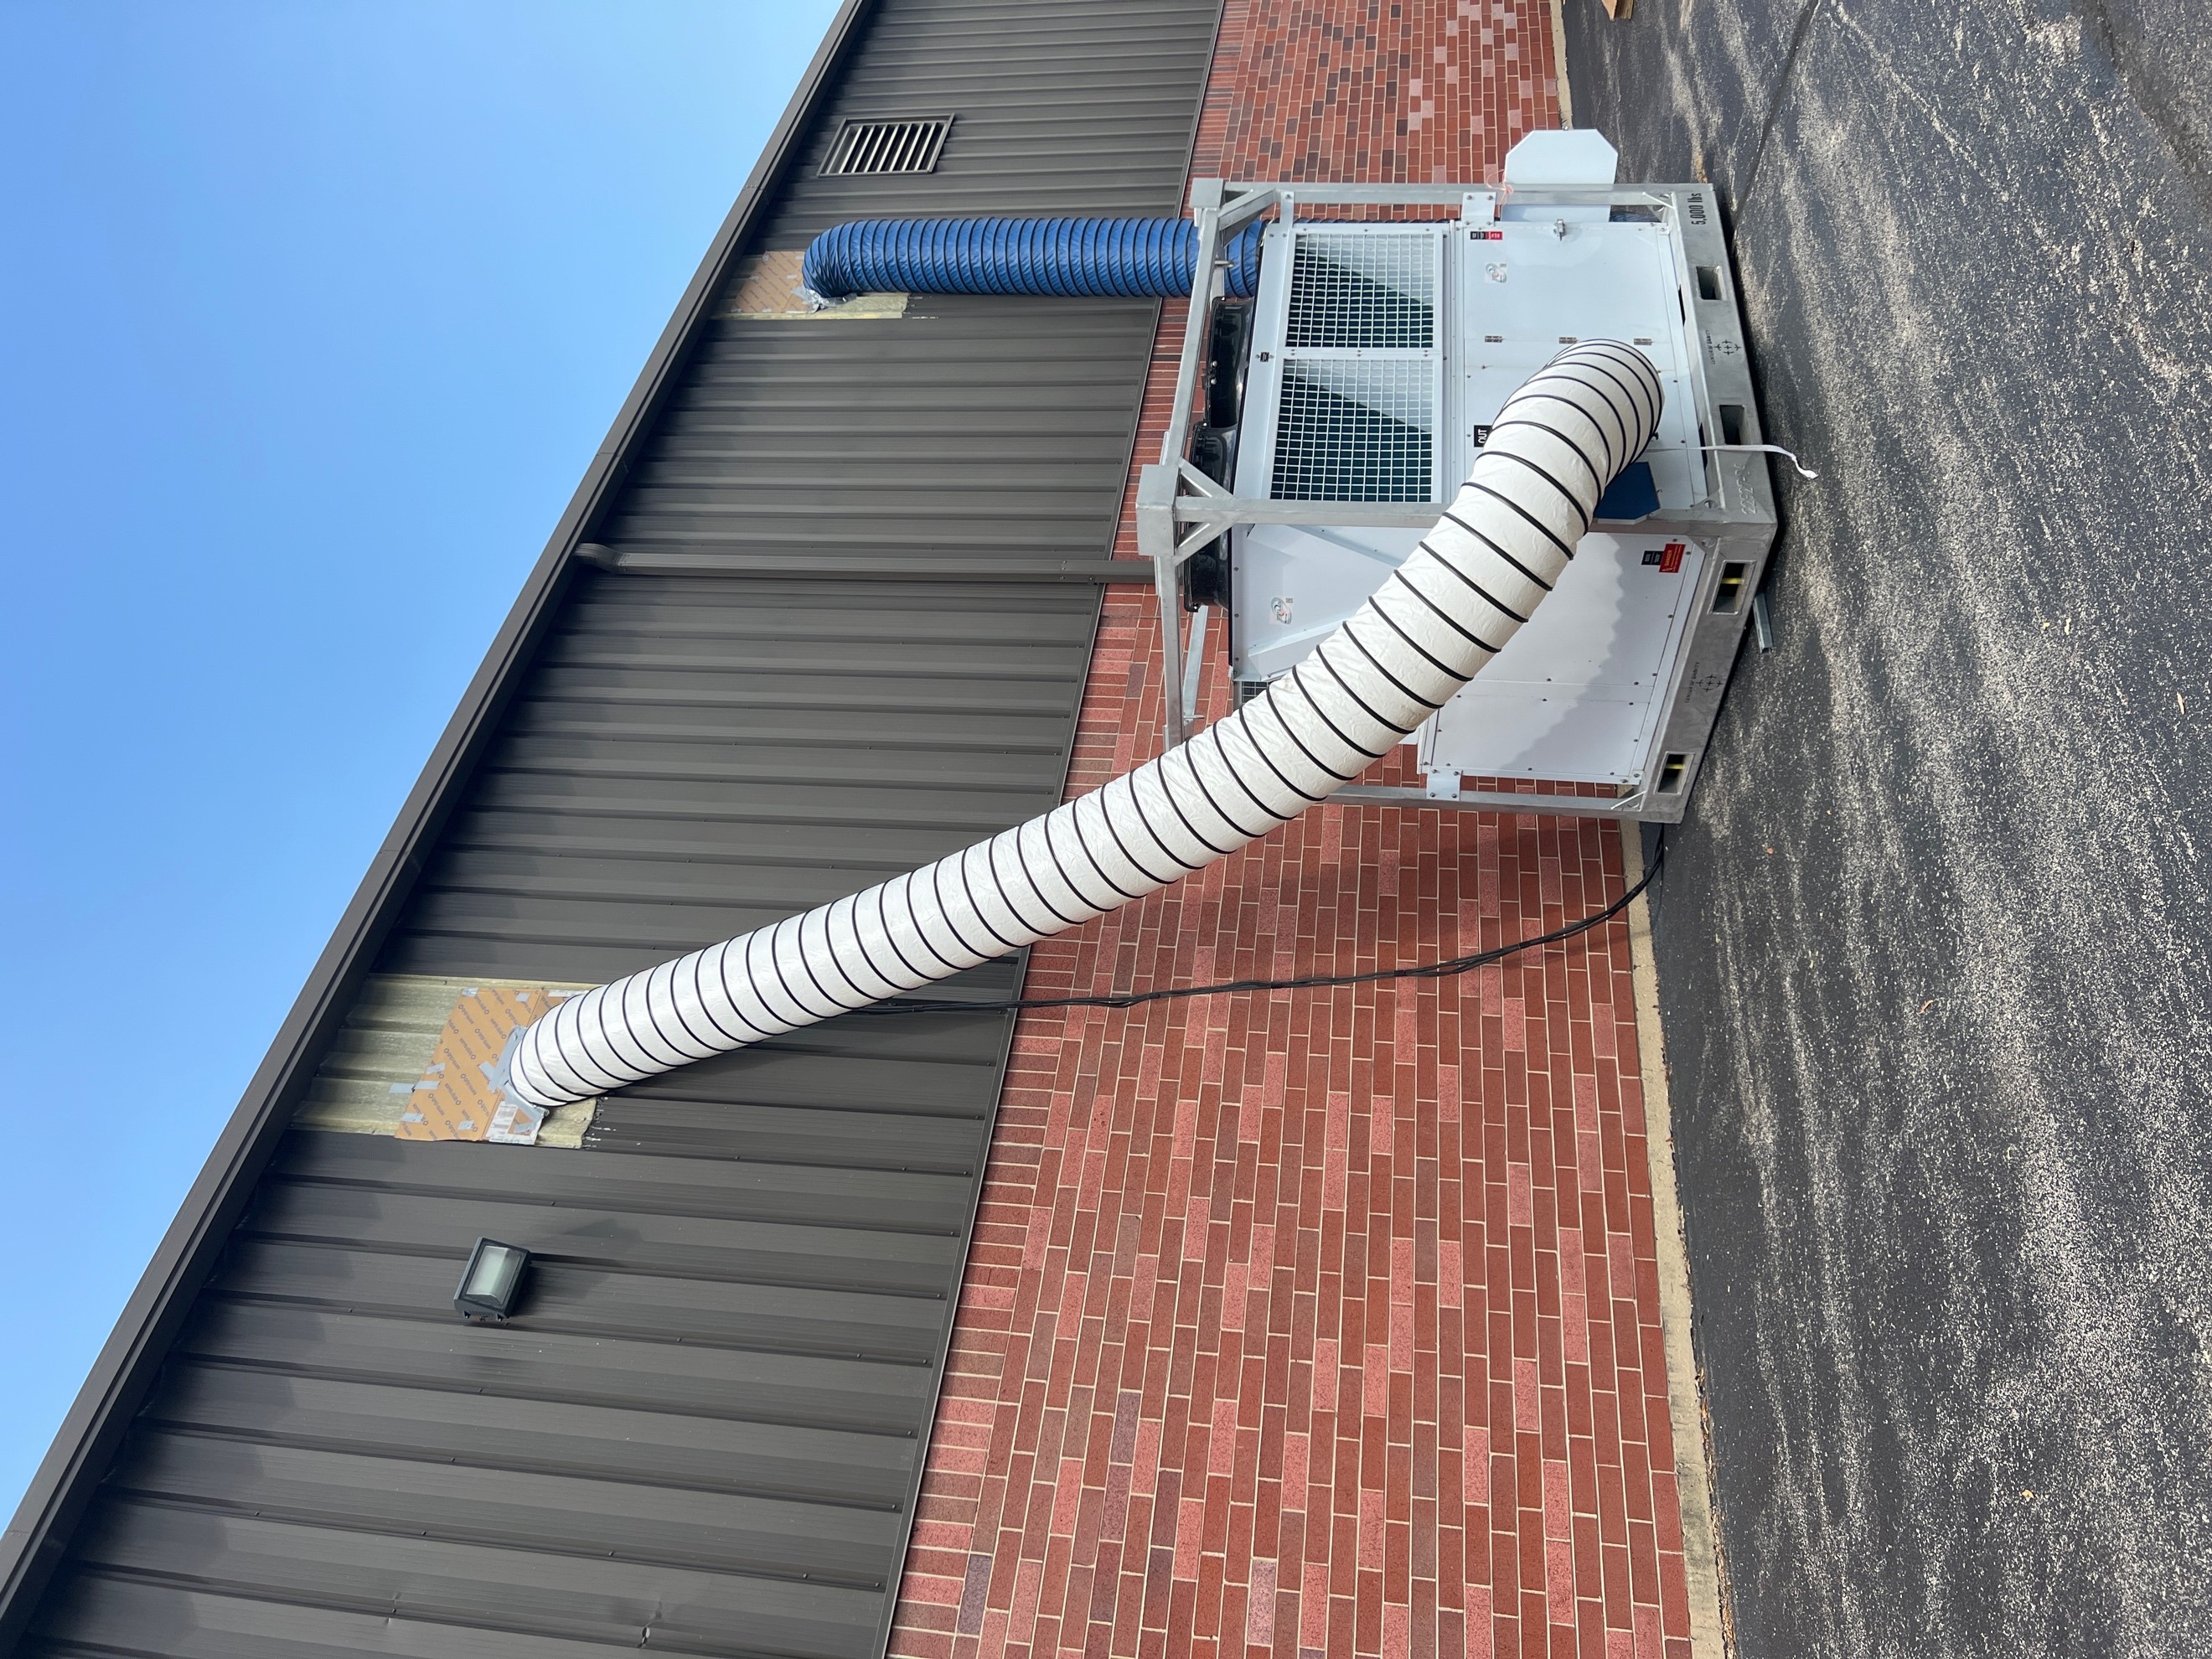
x=1432 y=625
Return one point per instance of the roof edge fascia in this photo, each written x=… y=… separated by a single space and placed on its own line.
x=61 y=1491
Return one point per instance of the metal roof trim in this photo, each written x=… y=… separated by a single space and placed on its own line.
x=36 y=1538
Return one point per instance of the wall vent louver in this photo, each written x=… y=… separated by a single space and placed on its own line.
x=910 y=145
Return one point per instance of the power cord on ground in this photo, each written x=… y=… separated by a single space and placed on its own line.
x=1450 y=968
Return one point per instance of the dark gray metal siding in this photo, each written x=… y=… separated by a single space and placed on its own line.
x=1075 y=106
x=718 y=1395
x=698 y=756
x=705 y=1432
x=972 y=429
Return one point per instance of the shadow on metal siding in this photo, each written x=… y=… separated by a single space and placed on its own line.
x=1059 y=106
x=335 y=1591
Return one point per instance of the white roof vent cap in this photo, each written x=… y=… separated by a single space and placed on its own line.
x=1576 y=155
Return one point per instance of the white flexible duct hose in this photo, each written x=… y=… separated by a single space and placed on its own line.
x=1429 y=629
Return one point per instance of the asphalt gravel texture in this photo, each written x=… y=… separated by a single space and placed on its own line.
x=1933 y=947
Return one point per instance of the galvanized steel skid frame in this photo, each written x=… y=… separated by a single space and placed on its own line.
x=1180 y=510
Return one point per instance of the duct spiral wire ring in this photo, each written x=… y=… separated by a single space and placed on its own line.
x=1498 y=550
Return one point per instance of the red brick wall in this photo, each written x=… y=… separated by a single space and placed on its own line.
x=1321 y=1321
x=1383 y=92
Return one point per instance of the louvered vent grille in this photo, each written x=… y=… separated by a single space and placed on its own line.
x=1357 y=431
x=1356 y=409
x=1352 y=292
x=908 y=146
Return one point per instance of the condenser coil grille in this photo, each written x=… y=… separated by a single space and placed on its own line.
x=1355 y=430
x=1354 y=292
x=908 y=146
x=1355 y=408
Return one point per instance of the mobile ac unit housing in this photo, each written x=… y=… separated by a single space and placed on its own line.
x=1380 y=351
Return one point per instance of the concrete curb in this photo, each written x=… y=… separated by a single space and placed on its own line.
x=1701 y=1557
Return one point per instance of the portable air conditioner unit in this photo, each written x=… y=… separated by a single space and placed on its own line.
x=1379 y=351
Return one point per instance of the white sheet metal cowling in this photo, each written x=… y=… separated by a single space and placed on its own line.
x=1434 y=623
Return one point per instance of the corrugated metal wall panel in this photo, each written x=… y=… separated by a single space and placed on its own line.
x=643 y=800
x=705 y=1432
x=720 y=1389
x=338 y=1590
x=1059 y=106
x=986 y=427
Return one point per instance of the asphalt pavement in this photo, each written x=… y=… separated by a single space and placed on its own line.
x=1935 y=967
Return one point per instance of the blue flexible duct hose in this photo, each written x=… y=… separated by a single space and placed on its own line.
x=1067 y=257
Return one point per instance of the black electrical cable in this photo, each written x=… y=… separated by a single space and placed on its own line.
x=1450 y=968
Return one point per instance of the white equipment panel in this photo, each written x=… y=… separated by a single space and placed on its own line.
x=1576 y=696
x=1529 y=288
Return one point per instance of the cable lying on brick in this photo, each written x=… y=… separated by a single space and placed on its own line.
x=1436 y=621
x=1446 y=968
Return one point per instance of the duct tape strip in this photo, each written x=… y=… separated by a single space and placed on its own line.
x=766 y=289
x=462 y=1093
x=422 y=1058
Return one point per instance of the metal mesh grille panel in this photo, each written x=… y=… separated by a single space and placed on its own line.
x=1363 y=292
x=1358 y=430
x=909 y=146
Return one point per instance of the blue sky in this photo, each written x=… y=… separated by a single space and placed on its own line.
x=314 y=314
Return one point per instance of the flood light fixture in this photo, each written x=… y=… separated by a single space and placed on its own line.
x=491 y=1282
